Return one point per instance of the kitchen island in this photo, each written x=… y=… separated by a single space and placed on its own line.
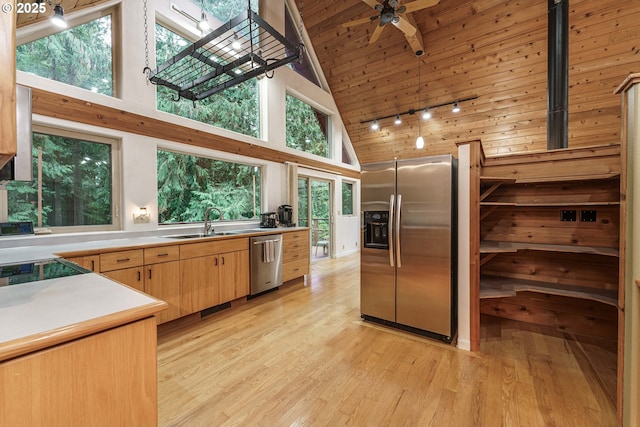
x=77 y=350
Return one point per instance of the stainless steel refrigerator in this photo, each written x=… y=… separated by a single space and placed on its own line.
x=409 y=252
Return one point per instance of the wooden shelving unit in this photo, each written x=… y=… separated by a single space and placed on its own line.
x=549 y=228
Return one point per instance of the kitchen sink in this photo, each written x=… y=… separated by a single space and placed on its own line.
x=218 y=233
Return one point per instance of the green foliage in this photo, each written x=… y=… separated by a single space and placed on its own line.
x=76 y=184
x=187 y=185
x=224 y=10
x=306 y=128
x=347 y=198
x=236 y=108
x=79 y=56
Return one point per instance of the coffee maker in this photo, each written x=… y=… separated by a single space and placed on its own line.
x=285 y=216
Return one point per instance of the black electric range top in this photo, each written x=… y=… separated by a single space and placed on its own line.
x=14 y=274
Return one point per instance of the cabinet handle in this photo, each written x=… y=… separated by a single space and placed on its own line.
x=139 y=276
x=149 y=273
x=93 y=265
x=163 y=255
x=123 y=260
x=222 y=260
x=296 y=269
x=215 y=262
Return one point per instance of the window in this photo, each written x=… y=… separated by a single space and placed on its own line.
x=303 y=66
x=347 y=198
x=236 y=108
x=224 y=10
x=307 y=128
x=187 y=185
x=77 y=183
x=81 y=56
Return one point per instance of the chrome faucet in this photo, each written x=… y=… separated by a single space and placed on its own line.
x=208 y=228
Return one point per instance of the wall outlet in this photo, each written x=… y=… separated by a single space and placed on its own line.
x=588 y=216
x=567 y=215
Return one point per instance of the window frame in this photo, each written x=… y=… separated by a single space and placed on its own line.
x=219 y=159
x=42 y=31
x=116 y=180
x=315 y=106
x=353 y=193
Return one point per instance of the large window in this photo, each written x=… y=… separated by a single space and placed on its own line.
x=187 y=185
x=81 y=56
x=307 y=128
x=77 y=183
x=236 y=108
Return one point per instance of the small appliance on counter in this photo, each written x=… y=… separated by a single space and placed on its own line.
x=20 y=228
x=268 y=220
x=285 y=216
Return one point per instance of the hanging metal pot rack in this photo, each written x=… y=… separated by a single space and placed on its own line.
x=235 y=52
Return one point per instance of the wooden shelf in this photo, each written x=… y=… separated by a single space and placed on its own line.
x=502 y=287
x=546 y=204
x=508 y=180
x=491 y=247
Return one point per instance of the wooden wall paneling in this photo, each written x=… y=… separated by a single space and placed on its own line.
x=585 y=270
x=8 y=133
x=566 y=314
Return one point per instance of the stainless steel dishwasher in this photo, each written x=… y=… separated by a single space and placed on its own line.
x=266 y=263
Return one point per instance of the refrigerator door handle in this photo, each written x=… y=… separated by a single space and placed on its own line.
x=390 y=229
x=397 y=231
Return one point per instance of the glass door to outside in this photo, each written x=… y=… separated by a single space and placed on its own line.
x=314 y=211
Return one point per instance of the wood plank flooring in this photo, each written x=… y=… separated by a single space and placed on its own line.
x=301 y=356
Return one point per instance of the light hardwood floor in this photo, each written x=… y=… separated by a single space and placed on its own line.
x=301 y=356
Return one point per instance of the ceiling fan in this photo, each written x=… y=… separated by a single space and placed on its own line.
x=392 y=12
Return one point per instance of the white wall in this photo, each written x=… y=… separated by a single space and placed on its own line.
x=138 y=153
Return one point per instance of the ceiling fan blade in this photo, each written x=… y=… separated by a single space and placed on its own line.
x=359 y=21
x=404 y=26
x=376 y=34
x=419 y=4
x=373 y=4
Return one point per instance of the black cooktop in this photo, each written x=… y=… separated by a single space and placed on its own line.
x=14 y=274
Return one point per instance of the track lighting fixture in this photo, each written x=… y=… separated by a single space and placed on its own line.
x=203 y=24
x=58 y=17
x=426 y=114
x=375 y=125
x=398 y=120
x=456 y=108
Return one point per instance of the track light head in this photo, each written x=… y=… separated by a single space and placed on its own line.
x=375 y=125
x=58 y=17
x=203 y=24
x=426 y=114
x=456 y=108
x=398 y=120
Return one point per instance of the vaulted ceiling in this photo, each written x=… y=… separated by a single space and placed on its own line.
x=492 y=52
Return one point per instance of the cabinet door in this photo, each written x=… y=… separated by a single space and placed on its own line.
x=234 y=275
x=128 y=276
x=90 y=262
x=163 y=282
x=199 y=281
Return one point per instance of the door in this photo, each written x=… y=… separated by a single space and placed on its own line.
x=377 y=271
x=423 y=277
x=315 y=211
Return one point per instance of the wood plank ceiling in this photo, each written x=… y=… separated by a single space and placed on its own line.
x=494 y=50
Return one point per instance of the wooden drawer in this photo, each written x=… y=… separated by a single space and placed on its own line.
x=292 y=255
x=295 y=237
x=161 y=254
x=292 y=270
x=122 y=259
x=193 y=250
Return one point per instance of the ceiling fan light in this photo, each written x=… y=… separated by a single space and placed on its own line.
x=456 y=108
x=58 y=17
x=426 y=114
x=398 y=120
x=375 y=125
x=420 y=142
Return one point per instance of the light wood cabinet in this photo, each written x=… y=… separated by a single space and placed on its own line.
x=8 y=130
x=295 y=254
x=90 y=262
x=213 y=273
x=132 y=277
x=105 y=379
